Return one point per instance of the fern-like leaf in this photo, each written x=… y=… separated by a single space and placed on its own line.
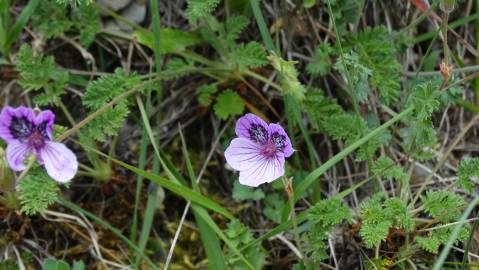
x=200 y=8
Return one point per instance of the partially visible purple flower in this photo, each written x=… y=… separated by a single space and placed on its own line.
x=259 y=151
x=29 y=133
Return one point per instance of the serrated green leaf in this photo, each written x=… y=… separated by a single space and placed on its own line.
x=467 y=169
x=320 y=65
x=200 y=8
x=251 y=55
x=204 y=93
x=228 y=103
x=241 y=193
x=37 y=191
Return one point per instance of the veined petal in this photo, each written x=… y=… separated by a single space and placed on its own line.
x=59 y=161
x=44 y=123
x=16 y=123
x=280 y=138
x=16 y=154
x=264 y=171
x=252 y=127
x=242 y=153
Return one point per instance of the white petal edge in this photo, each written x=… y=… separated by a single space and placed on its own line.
x=243 y=153
x=264 y=171
x=59 y=161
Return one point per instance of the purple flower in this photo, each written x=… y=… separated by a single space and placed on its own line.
x=29 y=133
x=259 y=151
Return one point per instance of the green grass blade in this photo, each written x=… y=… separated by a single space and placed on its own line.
x=303 y=186
x=258 y=15
x=107 y=225
x=20 y=23
x=211 y=242
x=139 y=183
x=178 y=189
x=209 y=221
x=155 y=14
x=147 y=221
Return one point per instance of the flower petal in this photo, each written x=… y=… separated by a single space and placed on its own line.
x=252 y=127
x=21 y=129
x=242 y=153
x=60 y=162
x=44 y=122
x=280 y=139
x=16 y=154
x=263 y=171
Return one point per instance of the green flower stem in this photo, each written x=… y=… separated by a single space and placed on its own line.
x=288 y=187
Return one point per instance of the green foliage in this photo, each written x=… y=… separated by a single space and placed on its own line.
x=416 y=137
x=434 y=239
x=37 y=191
x=274 y=207
x=375 y=227
x=53 y=19
x=323 y=217
x=100 y=92
x=240 y=235
x=241 y=192
x=320 y=65
x=74 y=2
x=204 y=93
x=200 y=8
x=377 y=52
x=39 y=72
x=344 y=12
x=233 y=27
x=385 y=167
x=249 y=55
x=351 y=128
x=172 y=40
x=224 y=38
x=357 y=73
x=229 y=103
x=288 y=76
x=425 y=101
x=420 y=134
x=320 y=108
x=378 y=216
x=444 y=206
x=10 y=264
x=467 y=169
x=177 y=68
x=52 y=264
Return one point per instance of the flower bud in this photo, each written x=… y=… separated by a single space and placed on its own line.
x=7 y=179
x=447 y=6
x=445 y=70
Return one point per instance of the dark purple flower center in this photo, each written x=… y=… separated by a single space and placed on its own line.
x=24 y=130
x=279 y=141
x=258 y=133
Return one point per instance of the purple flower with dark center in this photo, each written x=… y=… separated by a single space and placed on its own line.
x=28 y=132
x=259 y=151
